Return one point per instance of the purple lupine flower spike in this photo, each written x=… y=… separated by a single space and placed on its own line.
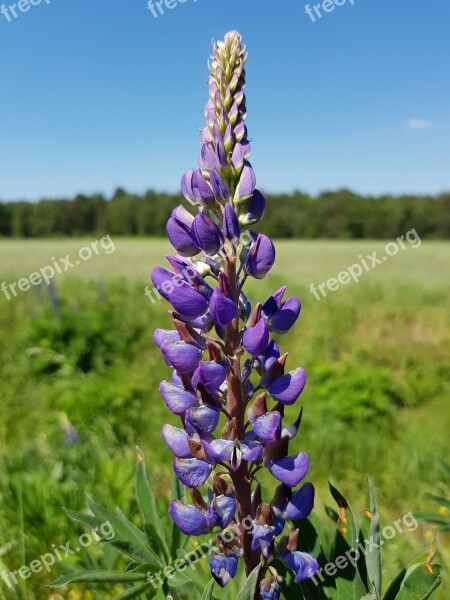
x=225 y=367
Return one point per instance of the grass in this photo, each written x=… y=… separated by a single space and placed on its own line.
x=376 y=402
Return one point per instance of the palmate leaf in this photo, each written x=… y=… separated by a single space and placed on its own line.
x=125 y=532
x=349 y=584
x=147 y=504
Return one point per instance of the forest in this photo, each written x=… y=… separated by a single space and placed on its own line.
x=339 y=214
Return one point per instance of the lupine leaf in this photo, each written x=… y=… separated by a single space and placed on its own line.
x=419 y=582
x=178 y=538
x=247 y=591
x=207 y=594
x=427 y=577
x=98 y=577
x=125 y=531
x=349 y=584
x=147 y=504
x=370 y=529
x=439 y=500
x=136 y=591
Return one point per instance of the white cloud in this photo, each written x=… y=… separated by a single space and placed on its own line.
x=418 y=124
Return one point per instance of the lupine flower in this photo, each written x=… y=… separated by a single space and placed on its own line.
x=226 y=368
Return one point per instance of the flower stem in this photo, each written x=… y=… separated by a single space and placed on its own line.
x=236 y=408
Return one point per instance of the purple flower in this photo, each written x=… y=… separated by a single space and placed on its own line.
x=281 y=316
x=211 y=314
x=223 y=310
x=270 y=589
x=253 y=210
x=223 y=568
x=219 y=187
x=207 y=234
x=179 y=232
x=177 y=398
x=191 y=472
x=291 y=470
x=196 y=189
x=191 y=520
x=202 y=420
x=256 y=339
x=210 y=374
x=260 y=258
x=301 y=503
x=181 y=356
x=268 y=427
x=304 y=565
x=225 y=509
x=287 y=388
x=246 y=185
x=177 y=441
x=231 y=227
x=165 y=334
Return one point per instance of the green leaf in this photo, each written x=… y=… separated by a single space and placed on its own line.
x=207 y=594
x=440 y=500
x=370 y=529
x=135 y=592
x=147 y=504
x=423 y=560
x=247 y=591
x=178 y=539
x=125 y=531
x=420 y=581
x=98 y=577
x=349 y=584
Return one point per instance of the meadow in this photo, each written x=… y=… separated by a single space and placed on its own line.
x=81 y=352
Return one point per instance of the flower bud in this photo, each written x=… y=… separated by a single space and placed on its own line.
x=260 y=258
x=207 y=234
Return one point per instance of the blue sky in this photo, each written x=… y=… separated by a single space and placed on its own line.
x=96 y=94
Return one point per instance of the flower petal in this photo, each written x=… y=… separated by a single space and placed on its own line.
x=223 y=568
x=191 y=472
x=177 y=398
x=290 y=470
x=223 y=310
x=181 y=356
x=301 y=503
x=210 y=374
x=191 y=520
x=202 y=420
x=256 y=339
x=177 y=441
x=287 y=388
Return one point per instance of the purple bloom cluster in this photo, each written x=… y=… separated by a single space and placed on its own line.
x=228 y=374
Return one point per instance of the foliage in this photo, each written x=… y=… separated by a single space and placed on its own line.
x=336 y=215
x=442 y=500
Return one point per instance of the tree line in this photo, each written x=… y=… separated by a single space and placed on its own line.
x=340 y=214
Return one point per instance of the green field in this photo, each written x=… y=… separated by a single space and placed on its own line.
x=377 y=399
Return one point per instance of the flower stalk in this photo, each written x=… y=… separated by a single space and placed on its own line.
x=216 y=319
